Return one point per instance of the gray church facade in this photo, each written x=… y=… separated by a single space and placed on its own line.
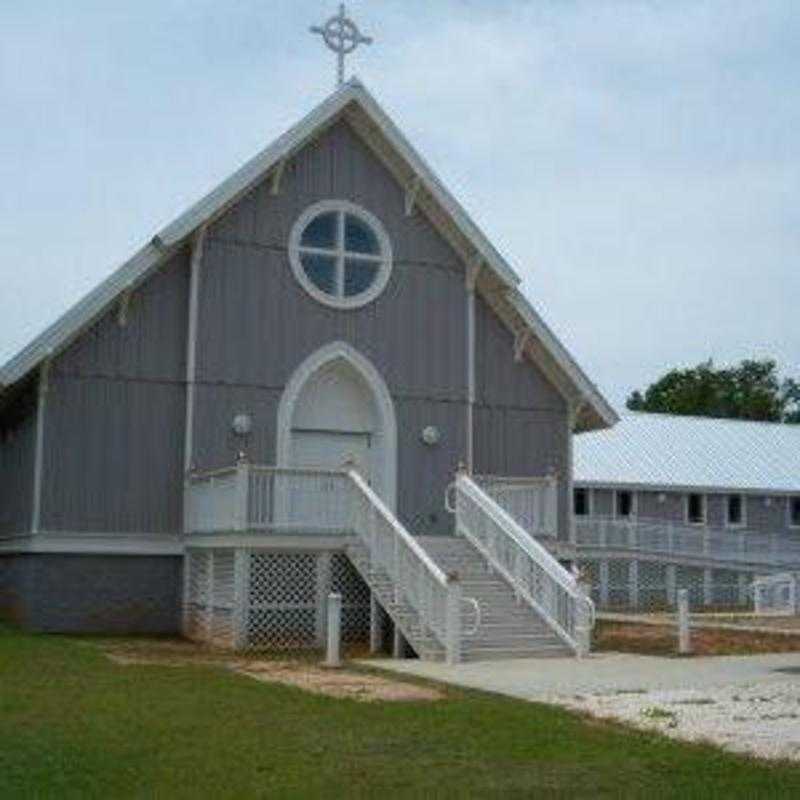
x=330 y=304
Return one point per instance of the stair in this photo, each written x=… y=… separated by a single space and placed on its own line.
x=507 y=629
x=404 y=616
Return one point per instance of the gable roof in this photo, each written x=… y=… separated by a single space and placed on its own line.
x=663 y=450
x=353 y=102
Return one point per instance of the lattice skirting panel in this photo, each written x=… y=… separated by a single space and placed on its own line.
x=639 y=585
x=264 y=599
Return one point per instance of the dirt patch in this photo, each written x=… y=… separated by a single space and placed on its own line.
x=300 y=670
x=338 y=682
x=650 y=639
x=162 y=652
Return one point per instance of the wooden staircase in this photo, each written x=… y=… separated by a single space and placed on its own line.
x=499 y=628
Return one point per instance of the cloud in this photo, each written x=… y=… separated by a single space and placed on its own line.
x=637 y=162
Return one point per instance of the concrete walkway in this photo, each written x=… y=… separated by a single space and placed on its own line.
x=541 y=678
x=747 y=704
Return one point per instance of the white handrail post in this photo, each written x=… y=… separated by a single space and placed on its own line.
x=583 y=617
x=333 y=656
x=684 y=638
x=241 y=566
x=796 y=593
x=241 y=513
x=453 y=649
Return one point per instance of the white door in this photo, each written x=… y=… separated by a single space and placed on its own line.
x=331 y=449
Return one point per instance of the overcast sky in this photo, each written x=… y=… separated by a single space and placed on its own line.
x=638 y=163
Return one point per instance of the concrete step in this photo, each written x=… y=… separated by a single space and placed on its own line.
x=502 y=653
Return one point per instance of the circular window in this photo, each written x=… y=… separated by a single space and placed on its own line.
x=340 y=253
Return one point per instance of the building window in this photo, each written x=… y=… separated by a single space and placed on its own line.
x=734 y=516
x=581 y=503
x=696 y=509
x=794 y=511
x=624 y=507
x=340 y=254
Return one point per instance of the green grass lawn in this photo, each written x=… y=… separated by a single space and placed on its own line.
x=74 y=724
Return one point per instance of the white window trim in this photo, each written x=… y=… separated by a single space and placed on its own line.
x=789 y=524
x=743 y=500
x=634 y=504
x=384 y=260
x=703 y=497
x=589 y=502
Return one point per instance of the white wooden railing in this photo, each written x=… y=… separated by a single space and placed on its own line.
x=418 y=581
x=532 y=502
x=255 y=498
x=660 y=537
x=537 y=578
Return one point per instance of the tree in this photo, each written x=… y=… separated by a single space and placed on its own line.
x=750 y=390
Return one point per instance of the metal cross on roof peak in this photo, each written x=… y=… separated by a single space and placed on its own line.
x=342 y=36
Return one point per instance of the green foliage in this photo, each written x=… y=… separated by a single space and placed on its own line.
x=750 y=390
x=74 y=724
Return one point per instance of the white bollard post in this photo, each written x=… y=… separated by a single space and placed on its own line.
x=684 y=638
x=333 y=656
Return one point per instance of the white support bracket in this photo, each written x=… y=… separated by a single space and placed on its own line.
x=411 y=195
x=473 y=270
x=277 y=176
x=123 y=311
x=44 y=374
x=521 y=339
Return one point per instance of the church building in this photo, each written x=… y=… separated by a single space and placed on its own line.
x=316 y=379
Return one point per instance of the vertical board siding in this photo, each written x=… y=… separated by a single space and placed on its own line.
x=113 y=446
x=671 y=508
x=772 y=516
x=115 y=414
x=520 y=418
x=258 y=324
x=762 y=512
x=17 y=457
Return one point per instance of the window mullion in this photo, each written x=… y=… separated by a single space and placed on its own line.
x=340 y=257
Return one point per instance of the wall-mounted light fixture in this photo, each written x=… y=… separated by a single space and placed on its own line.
x=242 y=424
x=662 y=497
x=431 y=435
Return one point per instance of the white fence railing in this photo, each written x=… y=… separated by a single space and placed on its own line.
x=676 y=540
x=418 y=581
x=777 y=594
x=212 y=501
x=268 y=499
x=532 y=502
x=529 y=568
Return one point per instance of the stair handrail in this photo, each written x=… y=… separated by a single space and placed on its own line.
x=418 y=579
x=534 y=574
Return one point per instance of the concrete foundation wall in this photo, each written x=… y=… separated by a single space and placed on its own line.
x=92 y=593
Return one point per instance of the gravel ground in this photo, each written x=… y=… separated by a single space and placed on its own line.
x=749 y=704
x=759 y=720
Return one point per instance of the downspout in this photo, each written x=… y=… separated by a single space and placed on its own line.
x=43 y=388
x=198 y=245
x=471 y=280
x=573 y=409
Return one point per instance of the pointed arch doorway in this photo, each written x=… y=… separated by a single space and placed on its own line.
x=335 y=408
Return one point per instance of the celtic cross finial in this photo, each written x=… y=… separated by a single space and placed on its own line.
x=342 y=36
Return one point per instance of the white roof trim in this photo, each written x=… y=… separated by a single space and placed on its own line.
x=58 y=335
